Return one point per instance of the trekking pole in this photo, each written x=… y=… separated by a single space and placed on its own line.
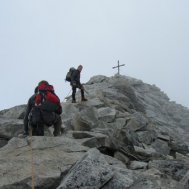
x=67 y=95
x=32 y=163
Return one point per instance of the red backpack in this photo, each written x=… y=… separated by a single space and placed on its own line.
x=46 y=99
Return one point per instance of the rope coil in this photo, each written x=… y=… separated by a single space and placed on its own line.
x=32 y=161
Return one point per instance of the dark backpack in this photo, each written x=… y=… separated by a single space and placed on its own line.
x=47 y=100
x=36 y=121
x=69 y=74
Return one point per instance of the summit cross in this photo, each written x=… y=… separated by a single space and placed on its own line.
x=118 y=67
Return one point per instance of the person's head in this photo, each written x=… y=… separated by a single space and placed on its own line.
x=42 y=84
x=80 y=67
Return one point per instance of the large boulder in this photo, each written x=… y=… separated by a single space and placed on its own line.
x=106 y=114
x=86 y=119
x=10 y=127
x=69 y=111
x=92 y=171
x=51 y=157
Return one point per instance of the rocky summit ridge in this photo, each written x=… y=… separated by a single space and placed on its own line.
x=128 y=135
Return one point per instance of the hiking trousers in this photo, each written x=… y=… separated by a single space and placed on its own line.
x=57 y=126
x=52 y=118
x=74 y=88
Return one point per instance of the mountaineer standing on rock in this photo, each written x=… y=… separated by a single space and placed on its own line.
x=43 y=108
x=75 y=83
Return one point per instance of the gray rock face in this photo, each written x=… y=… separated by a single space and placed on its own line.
x=145 y=183
x=51 y=156
x=147 y=137
x=137 y=165
x=92 y=171
x=16 y=112
x=106 y=114
x=69 y=111
x=161 y=147
x=176 y=169
x=127 y=135
x=3 y=142
x=118 y=181
x=9 y=128
x=86 y=120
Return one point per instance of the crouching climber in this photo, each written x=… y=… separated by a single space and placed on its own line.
x=43 y=108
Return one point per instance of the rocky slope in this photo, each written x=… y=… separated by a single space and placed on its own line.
x=128 y=135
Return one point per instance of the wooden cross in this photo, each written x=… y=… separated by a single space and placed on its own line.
x=118 y=66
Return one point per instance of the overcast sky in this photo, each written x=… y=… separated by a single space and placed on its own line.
x=41 y=39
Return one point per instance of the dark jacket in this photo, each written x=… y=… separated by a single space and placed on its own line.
x=75 y=77
x=30 y=105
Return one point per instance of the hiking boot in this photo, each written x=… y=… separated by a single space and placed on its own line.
x=73 y=101
x=83 y=99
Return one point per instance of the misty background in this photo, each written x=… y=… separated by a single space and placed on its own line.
x=42 y=39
